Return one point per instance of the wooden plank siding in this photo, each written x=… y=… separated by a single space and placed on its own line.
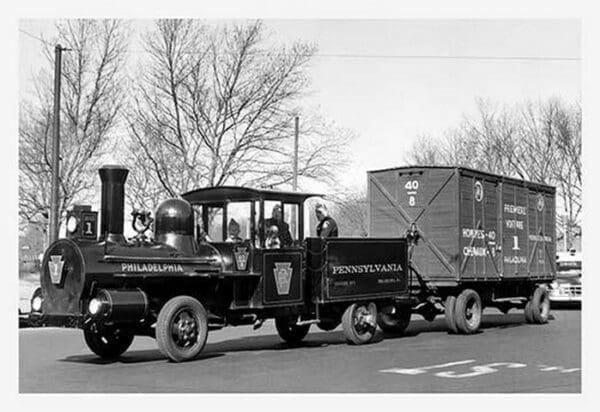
x=480 y=226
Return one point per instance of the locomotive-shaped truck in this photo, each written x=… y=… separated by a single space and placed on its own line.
x=210 y=262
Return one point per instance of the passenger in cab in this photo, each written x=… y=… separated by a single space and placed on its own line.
x=233 y=231
x=272 y=241
x=283 y=228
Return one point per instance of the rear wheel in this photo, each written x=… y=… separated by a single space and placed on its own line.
x=328 y=325
x=449 y=306
x=108 y=342
x=182 y=328
x=539 y=305
x=289 y=331
x=359 y=323
x=392 y=319
x=467 y=312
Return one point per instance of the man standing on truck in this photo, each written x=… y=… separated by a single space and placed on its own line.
x=327 y=226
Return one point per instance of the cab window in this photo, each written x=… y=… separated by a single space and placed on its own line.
x=238 y=222
x=214 y=223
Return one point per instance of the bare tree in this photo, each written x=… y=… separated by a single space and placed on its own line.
x=350 y=209
x=537 y=141
x=92 y=96
x=215 y=106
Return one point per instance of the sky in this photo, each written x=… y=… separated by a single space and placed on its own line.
x=385 y=80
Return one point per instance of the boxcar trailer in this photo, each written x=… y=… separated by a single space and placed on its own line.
x=477 y=240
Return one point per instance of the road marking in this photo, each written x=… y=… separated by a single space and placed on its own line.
x=476 y=370
x=480 y=370
x=424 y=369
x=545 y=368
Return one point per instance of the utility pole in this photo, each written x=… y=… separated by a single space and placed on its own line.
x=54 y=197
x=296 y=133
x=295 y=181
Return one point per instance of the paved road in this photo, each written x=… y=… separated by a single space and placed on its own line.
x=507 y=356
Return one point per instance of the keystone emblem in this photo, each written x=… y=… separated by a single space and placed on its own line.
x=283 y=276
x=55 y=267
x=241 y=257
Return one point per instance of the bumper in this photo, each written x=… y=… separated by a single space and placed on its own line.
x=565 y=298
x=566 y=293
x=60 y=320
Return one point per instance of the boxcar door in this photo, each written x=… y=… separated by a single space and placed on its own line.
x=479 y=228
x=515 y=245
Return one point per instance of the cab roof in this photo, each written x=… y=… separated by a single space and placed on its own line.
x=220 y=194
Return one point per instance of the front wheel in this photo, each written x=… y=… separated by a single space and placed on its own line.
x=108 y=342
x=359 y=323
x=393 y=320
x=182 y=328
x=289 y=331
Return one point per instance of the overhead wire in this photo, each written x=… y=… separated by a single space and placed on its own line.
x=382 y=56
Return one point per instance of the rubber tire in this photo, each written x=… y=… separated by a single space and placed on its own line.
x=394 y=324
x=449 y=308
x=540 y=305
x=528 y=313
x=351 y=334
x=290 y=332
x=164 y=337
x=115 y=345
x=462 y=323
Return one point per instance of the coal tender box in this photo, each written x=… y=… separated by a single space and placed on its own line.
x=340 y=269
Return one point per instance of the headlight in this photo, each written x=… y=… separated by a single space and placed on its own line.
x=95 y=306
x=72 y=224
x=36 y=304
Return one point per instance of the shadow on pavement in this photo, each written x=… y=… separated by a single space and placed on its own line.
x=566 y=305
x=314 y=340
x=138 y=356
x=489 y=321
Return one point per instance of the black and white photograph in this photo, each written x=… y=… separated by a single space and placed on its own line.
x=340 y=205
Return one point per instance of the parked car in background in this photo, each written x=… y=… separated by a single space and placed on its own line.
x=566 y=288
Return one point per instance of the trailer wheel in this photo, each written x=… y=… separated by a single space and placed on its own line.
x=182 y=328
x=540 y=305
x=467 y=312
x=359 y=323
x=107 y=342
x=289 y=331
x=527 y=312
x=396 y=322
x=449 y=310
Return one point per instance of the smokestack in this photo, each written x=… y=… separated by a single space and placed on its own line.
x=113 y=202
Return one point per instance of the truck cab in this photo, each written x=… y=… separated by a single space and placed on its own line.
x=239 y=214
x=566 y=288
x=260 y=235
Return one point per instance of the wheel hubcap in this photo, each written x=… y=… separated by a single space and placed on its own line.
x=185 y=329
x=364 y=320
x=472 y=313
